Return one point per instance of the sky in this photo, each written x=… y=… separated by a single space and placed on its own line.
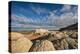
x=28 y=16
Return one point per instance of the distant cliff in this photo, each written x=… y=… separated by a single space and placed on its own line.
x=70 y=27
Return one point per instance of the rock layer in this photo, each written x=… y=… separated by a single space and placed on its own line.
x=43 y=45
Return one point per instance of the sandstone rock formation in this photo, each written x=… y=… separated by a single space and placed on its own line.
x=41 y=31
x=43 y=45
x=57 y=36
x=72 y=43
x=18 y=43
x=43 y=40
x=21 y=45
x=64 y=44
x=60 y=44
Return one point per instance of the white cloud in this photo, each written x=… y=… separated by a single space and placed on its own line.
x=68 y=17
x=39 y=10
x=21 y=18
x=66 y=8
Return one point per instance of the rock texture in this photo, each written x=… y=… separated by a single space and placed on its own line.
x=43 y=45
x=60 y=44
x=64 y=44
x=57 y=36
x=72 y=43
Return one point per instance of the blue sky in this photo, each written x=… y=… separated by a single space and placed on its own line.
x=25 y=15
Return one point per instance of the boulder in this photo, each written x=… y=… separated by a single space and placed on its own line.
x=21 y=45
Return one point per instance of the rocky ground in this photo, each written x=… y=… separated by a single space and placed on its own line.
x=43 y=41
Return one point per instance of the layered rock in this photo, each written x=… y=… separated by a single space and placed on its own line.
x=43 y=45
x=57 y=36
x=72 y=43
x=60 y=44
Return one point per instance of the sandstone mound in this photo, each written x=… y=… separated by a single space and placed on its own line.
x=43 y=45
x=21 y=45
